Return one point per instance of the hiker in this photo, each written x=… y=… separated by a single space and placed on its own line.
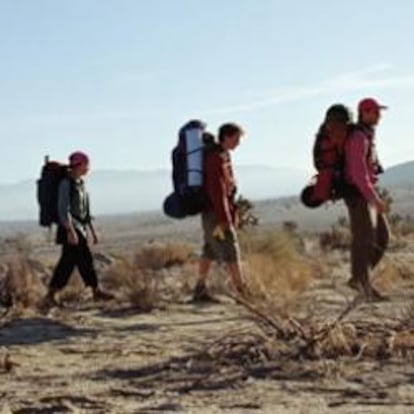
x=74 y=226
x=369 y=226
x=219 y=217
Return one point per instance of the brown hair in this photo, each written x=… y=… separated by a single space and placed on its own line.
x=229 y=129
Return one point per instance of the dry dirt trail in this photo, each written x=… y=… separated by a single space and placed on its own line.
x=88 y=359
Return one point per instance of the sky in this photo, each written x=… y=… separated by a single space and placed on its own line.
x=117 y=78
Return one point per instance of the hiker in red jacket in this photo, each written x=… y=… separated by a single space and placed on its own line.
x=219 y=220
x=369 y=226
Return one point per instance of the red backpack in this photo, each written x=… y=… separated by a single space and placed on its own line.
x=329 y=158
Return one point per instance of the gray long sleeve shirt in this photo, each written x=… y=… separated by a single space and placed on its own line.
x=73 y=201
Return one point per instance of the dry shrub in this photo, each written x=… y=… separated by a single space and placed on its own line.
x=391 y=273
x=137 y=287
x=156 y=256
x=387 y=276
x=336 y=238
x=368 y=340
x=274 y=266
x=149 y=278
x=187 y=279
x=7 y=364
x=407 y=315
x=401 y=226
x=245 y=213
x=74 y=290
x=23 y=286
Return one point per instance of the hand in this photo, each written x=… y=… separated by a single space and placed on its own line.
x=219 y=232
x=237 y=219
x=380 y=206
x=73 y=238
x=95 y=239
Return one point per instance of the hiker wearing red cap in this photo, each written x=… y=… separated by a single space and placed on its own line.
x=75 y=223
x=369 y=226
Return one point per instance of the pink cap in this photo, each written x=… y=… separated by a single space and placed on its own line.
x=368 y=104
x=77 y=158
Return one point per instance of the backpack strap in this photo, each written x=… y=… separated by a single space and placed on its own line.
x=72 y=191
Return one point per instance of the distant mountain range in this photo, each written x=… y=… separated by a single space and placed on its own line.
x=116 y=192
x=399 y=176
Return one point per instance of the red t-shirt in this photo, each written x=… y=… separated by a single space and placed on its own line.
x=220 y=185
x=361 y=163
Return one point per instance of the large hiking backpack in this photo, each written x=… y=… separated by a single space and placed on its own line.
x=188 y=197
x=47 y=191
x=329 y=158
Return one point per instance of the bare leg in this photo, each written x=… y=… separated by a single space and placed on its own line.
x=204 y=269
x=235 y=272
x=200 y=293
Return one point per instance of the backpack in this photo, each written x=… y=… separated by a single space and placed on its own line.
x=52 y=174
x=329 y=158
x=188 y=197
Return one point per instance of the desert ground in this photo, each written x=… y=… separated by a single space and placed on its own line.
x=302 y=342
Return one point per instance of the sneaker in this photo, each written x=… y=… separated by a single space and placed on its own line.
x=201 y=295
x=99 y=294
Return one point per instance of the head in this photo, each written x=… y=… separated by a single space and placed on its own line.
x=369 y=111
x=338 y=113
x=79 y=163
x=337 y=120
x=229 y=136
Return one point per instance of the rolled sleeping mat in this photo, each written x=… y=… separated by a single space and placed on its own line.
x=194 y=153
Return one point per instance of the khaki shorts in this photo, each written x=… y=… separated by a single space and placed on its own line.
x=226 y=250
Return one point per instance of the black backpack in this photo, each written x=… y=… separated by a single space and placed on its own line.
x=51 y=176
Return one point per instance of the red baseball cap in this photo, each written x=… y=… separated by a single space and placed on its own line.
x=77 y=158
x=368 y=104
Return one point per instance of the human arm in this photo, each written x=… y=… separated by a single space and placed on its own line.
x=64 y=215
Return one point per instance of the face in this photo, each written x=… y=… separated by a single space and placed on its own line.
x=370 y=116
x=231 y=142
x=81 y=169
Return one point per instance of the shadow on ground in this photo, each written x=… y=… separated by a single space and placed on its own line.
x=36 y=330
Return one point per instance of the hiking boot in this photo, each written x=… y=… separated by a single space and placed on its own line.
x=374 y=296
x=99 y=294
x=48 y=302
x=356 y=285
x=201 y=295
x=243 y=291
x=6 y=300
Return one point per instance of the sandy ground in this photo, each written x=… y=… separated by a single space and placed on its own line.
x=92 y=358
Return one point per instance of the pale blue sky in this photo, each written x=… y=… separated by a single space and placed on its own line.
x=117 y=78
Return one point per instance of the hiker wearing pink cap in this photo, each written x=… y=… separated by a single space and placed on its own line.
x=75 y=223
x=369 y=226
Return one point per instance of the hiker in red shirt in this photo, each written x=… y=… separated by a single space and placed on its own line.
x=219 y=219
x=369 y=226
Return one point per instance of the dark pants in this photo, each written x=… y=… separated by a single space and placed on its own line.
x=370 y=238
x=73 y=256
